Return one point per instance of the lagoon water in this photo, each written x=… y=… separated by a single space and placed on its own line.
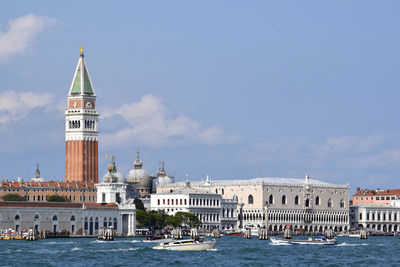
x=230 y=251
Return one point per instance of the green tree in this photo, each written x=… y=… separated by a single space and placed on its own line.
x=142 y=217
x=188 y=218
x=174 y=221
x=13 y=197
x=55 y=198
x=139 y=204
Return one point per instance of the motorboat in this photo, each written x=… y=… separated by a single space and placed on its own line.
x=253 y=229
x=197 y=244
x=318 y=240
x=235 y=234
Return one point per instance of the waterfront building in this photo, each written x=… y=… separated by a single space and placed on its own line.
x=306 y=204
x=378 y=196
x=212 y=210
x=83 y=219
x=81 y=128
x=375 y=217
x=37 y=189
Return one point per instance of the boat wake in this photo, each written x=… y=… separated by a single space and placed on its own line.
x=76 y=249
x=212 y=249
x=344 y=244
x=115 y=241
x=61 y=243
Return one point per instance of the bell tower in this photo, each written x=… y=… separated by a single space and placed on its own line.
x=81 y=128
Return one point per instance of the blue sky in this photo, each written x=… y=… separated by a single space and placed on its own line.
x=232 y=89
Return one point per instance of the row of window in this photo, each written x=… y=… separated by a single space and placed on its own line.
x=208 y=217
x=89 y=124
x=36 y=218
x=90 y=223
x=378 y=216
x=197 y=202
x=46 y=190
x=250 y=200
x=71 y=198
x=377 y=198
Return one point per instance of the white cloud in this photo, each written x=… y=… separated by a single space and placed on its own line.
x=340 y=153
x=20 y=33
x=150 y=123
x=15 y=106
x=335 y=145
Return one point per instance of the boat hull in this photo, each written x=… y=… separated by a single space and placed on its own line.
x=327 y=242
x=187 y=247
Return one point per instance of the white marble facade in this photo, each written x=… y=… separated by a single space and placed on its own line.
x=309 y=204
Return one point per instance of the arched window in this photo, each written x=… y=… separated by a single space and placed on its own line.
x=342 y=203
x=296 y=200
x=307 y=202
x=55 y=218
x=16 y=217
x=283 y=199
x=250 y=199
x=271 y=199
x=158 y=202
x=222 y=191
x=317 y=200
x=72 y=218
x=36 y=218
x=329 y=203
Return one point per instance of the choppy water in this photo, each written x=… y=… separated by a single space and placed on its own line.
x=230 y=251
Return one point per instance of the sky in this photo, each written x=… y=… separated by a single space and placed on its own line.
x=229 y=89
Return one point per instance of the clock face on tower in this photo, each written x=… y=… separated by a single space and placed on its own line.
x=89 y=104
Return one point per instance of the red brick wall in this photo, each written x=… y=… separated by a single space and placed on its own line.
x=81 y=161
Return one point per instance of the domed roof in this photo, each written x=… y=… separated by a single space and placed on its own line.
x=138 y=174
x=113 y=176
x=162 y=177
x=165 y=180
x=145 y=183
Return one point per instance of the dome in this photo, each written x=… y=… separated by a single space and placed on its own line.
x=165 y=180
x=113 y=177
x=145 y=183
x=37 y=179
x=137 y=174
x=162 y=177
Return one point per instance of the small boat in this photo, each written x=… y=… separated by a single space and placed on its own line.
x=318 y=240
x=187 y=245
x=235 y=234
x=354 y=235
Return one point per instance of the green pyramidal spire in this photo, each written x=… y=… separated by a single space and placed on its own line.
x=81 y=84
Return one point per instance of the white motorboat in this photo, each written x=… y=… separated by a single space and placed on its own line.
x=187 y=244
x=318 y=240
